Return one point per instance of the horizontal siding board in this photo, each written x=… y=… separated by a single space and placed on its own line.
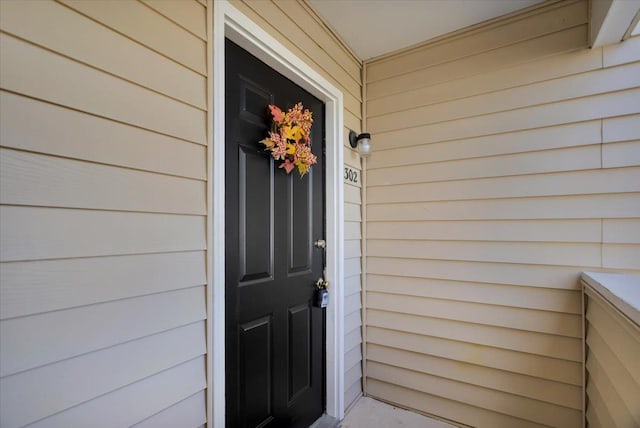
x=540 y=93
x=561 y=394
x=516 y=340
x=351 y=122
x=270 y=12
x=621 y=256
x=623 y=128
x=352 y=159
x=592 y=419
x=190 y=412
x=353 y=339
x=36 y=126
x=37 y=340
x=548 y=161
x=530 y=26
x=618 y=180
x=580 y=254
x=621 y=53
x=597 y=406
x=553 y=207
x=353 y=106
x=352 y=194
x=352 y=248
x=352 y=322
x=518 y=141
x=316 y=29
x=160 y=392
x=352 y=305
x=352 y=357
x=569 y=325
x=28 y=288
x=618 y=231
x=353 y=384
x=352 y=394
x=613 y=369
x=352 y=230
x=353 y=375
x=34 y=179
x=43 y=233
x=561 y=41
x=351 y=156
x=149 y=28
x=494 y=80
x=351 y=285
x=557 y=277
x=552 y=369
x=352 y=267
x=352 y=212
x=47 y=390
x=614 y=334
x=589 y=230
x=613 y=313
x=81 y=87
x=529 y=410
x=544 y=299
x=621 y=415
x=576 y=110
x=442 y=407
x=616 y=155
x=102 y=48
x=188 y=14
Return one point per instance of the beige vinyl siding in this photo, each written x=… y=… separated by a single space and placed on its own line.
x=102 y=216
x=506 y=162
x=300 y=29
x=613 y=383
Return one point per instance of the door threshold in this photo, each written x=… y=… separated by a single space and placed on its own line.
x=325 y=421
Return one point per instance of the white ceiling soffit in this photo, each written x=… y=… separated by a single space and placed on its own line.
x=612 y=20
x=374 y=27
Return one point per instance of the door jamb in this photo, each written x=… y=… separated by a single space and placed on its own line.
x=229 y=22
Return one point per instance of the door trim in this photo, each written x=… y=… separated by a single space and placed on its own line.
x=229 y=22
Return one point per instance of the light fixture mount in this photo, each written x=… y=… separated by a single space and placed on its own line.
x=361 y=142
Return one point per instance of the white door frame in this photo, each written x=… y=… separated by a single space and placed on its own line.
x=230 y=22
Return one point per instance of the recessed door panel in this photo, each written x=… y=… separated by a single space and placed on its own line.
x=256 y=216
x=255 y=371
x=253 y=98
x=301 y=219
x=299 y=364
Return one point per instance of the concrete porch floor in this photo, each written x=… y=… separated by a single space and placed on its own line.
x=369 y=413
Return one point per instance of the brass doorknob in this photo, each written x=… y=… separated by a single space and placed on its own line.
x=322 y=284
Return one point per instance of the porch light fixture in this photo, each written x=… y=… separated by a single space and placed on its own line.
x=362 y=142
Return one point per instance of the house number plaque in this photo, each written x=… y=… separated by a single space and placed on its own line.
x=351 y=175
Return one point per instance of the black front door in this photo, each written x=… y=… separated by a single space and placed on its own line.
x=274 y=336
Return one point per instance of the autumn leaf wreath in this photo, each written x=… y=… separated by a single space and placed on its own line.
x=289 y=140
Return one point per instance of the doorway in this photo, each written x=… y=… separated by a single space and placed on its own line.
x=228 y=22
x=275 y=337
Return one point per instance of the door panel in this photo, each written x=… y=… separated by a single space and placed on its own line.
x=299 y=372
x=300 y=203
x=255 y=371
x=274 y=336
x=256 y=200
